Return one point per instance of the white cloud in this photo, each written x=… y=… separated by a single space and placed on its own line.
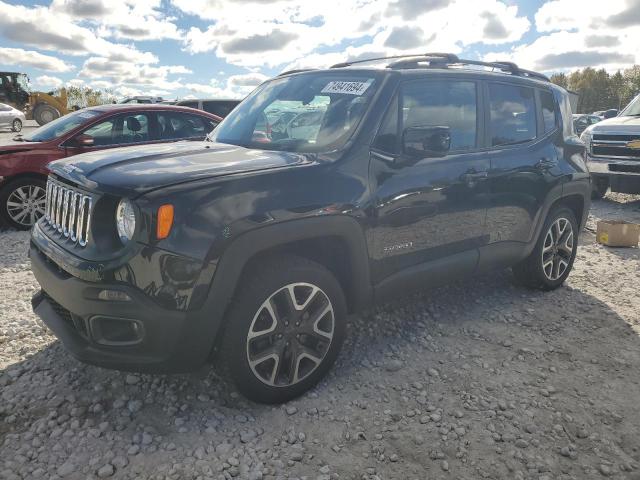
x=30 y=58
x=47 y=29
x=272 y=33
x=46 y=82
x=580 y=33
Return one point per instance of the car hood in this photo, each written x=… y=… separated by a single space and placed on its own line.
x=617 y=125
x=135 y=170
x=13 y=146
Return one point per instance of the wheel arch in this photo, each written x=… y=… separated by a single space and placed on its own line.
x=336 y=242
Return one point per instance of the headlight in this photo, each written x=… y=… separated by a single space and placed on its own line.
x=125 y=220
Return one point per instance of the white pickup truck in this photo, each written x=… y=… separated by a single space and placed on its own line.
x=613 y=152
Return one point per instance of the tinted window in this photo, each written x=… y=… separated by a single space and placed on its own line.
x=135 y=128
x=548 y=105
x=177 y=125
x=442 y=103
x=513 y=114
x=387 y=138
x=221 y=109
x=188 y=104
x=103 y=133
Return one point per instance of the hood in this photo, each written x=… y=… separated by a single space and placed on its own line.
x=17 y=147
x=617 y=125
x=143 y=168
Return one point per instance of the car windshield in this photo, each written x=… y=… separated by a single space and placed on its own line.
x=61 y=125
x=311 y=112
x=633 y=109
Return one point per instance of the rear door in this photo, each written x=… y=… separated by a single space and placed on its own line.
x=523 y=129
x=429 y=208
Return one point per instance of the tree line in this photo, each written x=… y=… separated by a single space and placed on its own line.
x=599 y=90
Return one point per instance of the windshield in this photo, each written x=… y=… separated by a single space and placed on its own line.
x=633 y=109
x=312 y=112
x=61 y=125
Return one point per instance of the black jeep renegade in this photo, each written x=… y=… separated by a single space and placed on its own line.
x=321 y=192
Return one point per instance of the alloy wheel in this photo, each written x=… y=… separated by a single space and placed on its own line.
x=25 y=205
x=290 y=334
x=557 y=249
x=17 y=126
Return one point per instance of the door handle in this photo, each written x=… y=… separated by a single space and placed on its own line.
x=546 y=164
x=473 y=176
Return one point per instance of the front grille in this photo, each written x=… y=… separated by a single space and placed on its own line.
x=614 y=167
x=615 y=146
x=68 y=212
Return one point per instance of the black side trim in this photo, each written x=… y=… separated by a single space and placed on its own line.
x=428 y=274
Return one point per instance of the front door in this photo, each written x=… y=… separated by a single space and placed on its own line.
x=428 y=207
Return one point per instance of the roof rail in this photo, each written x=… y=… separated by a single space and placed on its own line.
x=445 y=60
x=289 y=72
x=445 y=56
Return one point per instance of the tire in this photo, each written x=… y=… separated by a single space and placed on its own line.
x=16 y=125
x=599 y=190
x=28 y=192
x=267 y=330
x=535 y=271
x=44 y=114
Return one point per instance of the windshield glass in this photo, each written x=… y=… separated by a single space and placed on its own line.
x=61 y=125
x=312 y=112
x=633 y=108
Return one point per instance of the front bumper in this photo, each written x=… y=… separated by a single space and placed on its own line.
x=166 y=340
x=622 y=175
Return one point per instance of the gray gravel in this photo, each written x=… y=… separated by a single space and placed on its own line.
x=480 y=379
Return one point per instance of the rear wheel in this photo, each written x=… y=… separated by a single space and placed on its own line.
x=44 y=113
x=22 y=202
x=16 y=125
x=285 y=329
x=550 y=263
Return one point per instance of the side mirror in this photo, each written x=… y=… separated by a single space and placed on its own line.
x=610 y=113
x=83 y=141
x=426 y=141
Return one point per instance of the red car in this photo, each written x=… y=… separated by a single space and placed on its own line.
x=23 y=162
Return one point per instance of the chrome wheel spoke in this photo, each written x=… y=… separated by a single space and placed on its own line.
x=290 y=334
x=558 y=249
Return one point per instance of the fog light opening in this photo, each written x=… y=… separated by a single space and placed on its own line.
x=113 y=296
x=116 y=331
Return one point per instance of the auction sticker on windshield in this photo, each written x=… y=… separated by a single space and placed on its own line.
x=349 y=88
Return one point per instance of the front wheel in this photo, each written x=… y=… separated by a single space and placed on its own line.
x=550 y=263
x=16 y=126
x=22 y=202
x=44 y=114
x=285 y=329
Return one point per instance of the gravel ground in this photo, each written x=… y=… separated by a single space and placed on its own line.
x=480 y=379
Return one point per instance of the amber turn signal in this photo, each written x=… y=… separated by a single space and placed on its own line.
x=165 y=221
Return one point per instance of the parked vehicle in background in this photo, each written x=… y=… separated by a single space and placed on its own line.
x=581 y=122
x=219 y=107
x=257 y=248
x=11 y=117
x=613 y=152
x=23 y=163
x=599 y=113
x=39 y=106
x=144 y=99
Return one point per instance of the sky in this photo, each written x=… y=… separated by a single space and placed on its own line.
x=222 y=48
